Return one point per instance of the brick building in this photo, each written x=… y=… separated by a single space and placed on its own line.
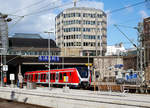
x=146 y=41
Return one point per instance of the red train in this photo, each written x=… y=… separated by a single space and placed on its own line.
x=74 y=77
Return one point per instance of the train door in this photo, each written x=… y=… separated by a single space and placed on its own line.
x=47 y=77
x=39 y=77
x=57 y=77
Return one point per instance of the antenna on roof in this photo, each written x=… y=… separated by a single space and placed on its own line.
x=75 y=3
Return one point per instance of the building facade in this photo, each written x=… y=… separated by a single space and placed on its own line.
x=31 y=44
x=80 y=31
x=146 y=39
x=108 y=68
x=146 y=42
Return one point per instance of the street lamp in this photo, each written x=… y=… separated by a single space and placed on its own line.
x=49 y=33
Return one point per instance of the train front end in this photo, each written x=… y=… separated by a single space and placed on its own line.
x=84 y=76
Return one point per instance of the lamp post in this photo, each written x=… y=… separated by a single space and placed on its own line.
x=49 y=33
x=1 y=68
x=88 y=61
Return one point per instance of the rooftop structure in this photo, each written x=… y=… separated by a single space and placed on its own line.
x=131 y=51
x=31 y=44
x=115 y=50
x=27 y=35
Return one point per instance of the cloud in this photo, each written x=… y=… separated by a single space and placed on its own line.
x=37 y=23
x=92 y=4
x=143 y=14
x=40 y=22
x=87 y=3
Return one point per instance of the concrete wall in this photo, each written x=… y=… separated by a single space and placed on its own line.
x=70 y=52
x=56 y=98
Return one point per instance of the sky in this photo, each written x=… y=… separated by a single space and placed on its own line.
x=39 y=16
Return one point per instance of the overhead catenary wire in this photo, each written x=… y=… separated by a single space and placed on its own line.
x=125 y=26
x=49 y=9
x=148 y=4
x=126 y=37
x=16 y=22
x=129 y=20
x=29 y=6
x=49 y=4
x=44 y=6
x=12 y=15
x=113 y=11
x=21 y=17
x=62 y=5
x=132 y=5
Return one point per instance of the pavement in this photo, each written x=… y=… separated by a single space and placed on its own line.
x=74 y=98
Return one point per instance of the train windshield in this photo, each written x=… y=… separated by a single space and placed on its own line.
x=83 y=71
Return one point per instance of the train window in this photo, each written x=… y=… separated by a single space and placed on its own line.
x=44 y=76
x=70 y=73
x=27 y=77
x=53 y=76
x=31 y=77
x=39 y=77
x=65 y=74
x=60 y=76
x=83 y=72
x=36 y=76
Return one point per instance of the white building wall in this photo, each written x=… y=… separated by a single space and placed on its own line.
x=115 y=50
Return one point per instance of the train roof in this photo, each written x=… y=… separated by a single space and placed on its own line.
x=54 y=70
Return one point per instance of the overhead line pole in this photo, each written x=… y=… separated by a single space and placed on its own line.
x=140 y=59
x=49 y=60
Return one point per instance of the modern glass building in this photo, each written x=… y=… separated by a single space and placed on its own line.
x=80 y=31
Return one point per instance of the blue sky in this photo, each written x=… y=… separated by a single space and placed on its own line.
x=127 y=17
x=38 y=23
